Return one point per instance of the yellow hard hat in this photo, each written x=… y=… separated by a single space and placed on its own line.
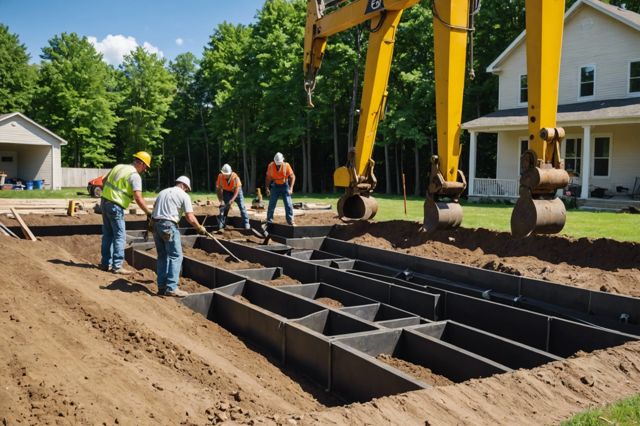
x=143 y=156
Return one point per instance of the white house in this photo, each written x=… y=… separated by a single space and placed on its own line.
x=29 y=151
x=599 y=105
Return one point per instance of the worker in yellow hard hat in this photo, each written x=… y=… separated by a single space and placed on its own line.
x=122 y=185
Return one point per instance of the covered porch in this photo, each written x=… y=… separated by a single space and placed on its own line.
x=601 y=150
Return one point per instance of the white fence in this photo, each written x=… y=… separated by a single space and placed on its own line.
x=77 y=177
x=495 y=187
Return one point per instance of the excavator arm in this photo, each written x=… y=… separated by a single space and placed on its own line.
x=538 y=210
x=357 y=176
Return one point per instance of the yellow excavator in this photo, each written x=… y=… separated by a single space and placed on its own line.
x=537 y=210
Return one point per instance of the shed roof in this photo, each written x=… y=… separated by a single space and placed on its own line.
x=583 y=113
x=5 y=117
x=627 y=17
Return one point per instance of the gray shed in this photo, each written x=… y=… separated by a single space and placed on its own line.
x=29 y=151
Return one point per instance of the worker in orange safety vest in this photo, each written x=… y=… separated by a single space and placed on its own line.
x=229 y=189
x=279 y=182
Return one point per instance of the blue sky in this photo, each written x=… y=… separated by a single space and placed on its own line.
x=170 y=27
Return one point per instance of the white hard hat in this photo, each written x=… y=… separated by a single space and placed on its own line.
x=226 y=169
x=278 y=158
x=185 y=181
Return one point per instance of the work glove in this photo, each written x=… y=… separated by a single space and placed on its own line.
x=290 y=191
x=201 y=230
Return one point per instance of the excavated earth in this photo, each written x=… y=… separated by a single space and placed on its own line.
x=83 y=346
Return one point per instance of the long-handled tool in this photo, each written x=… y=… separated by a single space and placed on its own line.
x=209 y=235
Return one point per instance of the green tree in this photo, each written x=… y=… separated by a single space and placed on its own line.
x=74 y=99
x=231 y=95
x=147 y=90
x=17 y=77
x=183 y=121
x=276 y=65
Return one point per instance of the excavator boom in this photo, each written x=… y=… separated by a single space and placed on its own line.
x=538 y=210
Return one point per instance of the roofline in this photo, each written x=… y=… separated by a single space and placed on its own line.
x=41 y=127
x=493 y=67
x=568 y=123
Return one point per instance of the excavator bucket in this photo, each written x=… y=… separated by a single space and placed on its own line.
x=539 y=216
x=441 y=215
x=357 y=207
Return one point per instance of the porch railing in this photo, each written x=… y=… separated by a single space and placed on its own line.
x=495 y=187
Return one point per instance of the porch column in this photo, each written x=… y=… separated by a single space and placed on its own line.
x=586 y=161
x=473 y=145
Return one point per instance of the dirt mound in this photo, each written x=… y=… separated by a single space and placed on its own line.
x=600 y=264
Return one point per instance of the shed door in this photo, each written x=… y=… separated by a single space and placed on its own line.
x=9 y=163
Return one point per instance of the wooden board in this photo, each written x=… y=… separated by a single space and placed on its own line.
x=25 y=229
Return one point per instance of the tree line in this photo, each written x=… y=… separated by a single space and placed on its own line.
x=243 y=99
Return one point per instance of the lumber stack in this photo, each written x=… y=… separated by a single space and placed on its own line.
x=41 y=206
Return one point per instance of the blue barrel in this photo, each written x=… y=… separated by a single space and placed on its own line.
x=38 y=184
x=29 y=185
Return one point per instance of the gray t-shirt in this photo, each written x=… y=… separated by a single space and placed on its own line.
x=171 y=204
x=136 y=182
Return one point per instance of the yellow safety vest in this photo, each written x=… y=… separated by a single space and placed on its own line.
x=117 y=187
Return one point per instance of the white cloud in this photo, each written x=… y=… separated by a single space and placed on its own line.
x=179 y=41
x=114 y=47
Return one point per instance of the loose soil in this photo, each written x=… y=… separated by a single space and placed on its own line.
x=281 y=280
x=418 y=371
x=327 y=301
x=83 y=346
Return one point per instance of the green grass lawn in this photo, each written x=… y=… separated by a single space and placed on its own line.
x=617 y=226
x=622 y=413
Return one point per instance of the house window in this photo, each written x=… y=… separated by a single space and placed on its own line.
x=573 y=155
x=524 y=88
x=634 y=77
x=587 y=80
x=601 y=149
x=7 y=159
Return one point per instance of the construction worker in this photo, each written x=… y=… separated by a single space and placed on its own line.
x=279 y=182
x=122 y=185
x=171 y=204
x=229 y=189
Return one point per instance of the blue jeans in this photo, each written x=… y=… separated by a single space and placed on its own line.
x=226 y=196
x=280 y=191
x=169 y=263
x=113 y=235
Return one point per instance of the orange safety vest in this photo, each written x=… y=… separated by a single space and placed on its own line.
x=229 y=184
x=279 y=176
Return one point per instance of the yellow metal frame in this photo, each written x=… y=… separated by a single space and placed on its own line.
x=377 y=67
x=450 y=44
x=545 y=21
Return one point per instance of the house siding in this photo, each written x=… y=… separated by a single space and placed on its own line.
x=590 y=38
x=508 y=155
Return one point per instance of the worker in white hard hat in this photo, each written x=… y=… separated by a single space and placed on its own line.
x=122 y=185
x=279 y=182
x=172 y=203
x=229 y=189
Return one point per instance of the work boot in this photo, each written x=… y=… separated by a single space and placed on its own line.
x=176 y=293
x=105 y=268
x=122 y=271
